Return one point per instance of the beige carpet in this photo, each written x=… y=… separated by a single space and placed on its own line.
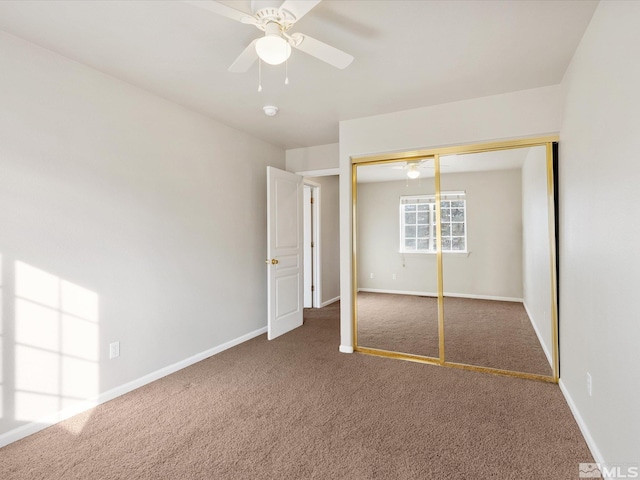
x=295 y=408
x=486 y=333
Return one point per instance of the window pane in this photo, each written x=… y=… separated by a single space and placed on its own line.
x=457 y=229
x=457 y=214
x=446 y=244
x=409 y=231
x=423 y=218
x=410 y=244
x=423 y=231
x=410 y=218
x=444 y=212
x=423 y=244
x=410 y=208
x=423 y=207
x=446 y=229
x=457 y=243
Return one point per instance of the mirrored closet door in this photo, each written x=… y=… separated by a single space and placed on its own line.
x=397 y=297
x=496 y=264
x=454 y=258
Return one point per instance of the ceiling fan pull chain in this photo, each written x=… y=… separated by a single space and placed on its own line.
x=286 y=72
x=259 y=75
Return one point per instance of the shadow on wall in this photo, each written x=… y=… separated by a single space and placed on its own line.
x=49 y=337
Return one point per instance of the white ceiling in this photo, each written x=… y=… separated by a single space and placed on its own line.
x=408 y=54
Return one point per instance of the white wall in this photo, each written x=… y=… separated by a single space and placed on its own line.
x=145 y=222
x=599 y=175
x=513 y=115
x=492 y=268
x=313 y=159
x=329 y=237
x=536 y=256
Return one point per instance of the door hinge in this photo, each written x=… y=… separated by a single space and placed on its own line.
x=313 y=288
x=311 y=199
x=313 y=244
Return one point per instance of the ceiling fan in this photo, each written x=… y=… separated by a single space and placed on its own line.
x=275 y=20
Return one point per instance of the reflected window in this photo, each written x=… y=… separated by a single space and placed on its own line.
x=418 y=223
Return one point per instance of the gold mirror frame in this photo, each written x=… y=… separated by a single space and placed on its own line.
x=435 y=153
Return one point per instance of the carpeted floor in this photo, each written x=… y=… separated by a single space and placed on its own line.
x=486 y=333
x=295 y=408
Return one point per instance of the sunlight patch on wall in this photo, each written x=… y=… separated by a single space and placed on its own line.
x=56 y=344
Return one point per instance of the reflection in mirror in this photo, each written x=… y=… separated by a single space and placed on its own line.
x=397 y=291
x=496 y=260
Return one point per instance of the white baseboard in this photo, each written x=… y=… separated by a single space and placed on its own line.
x=595 y=451
x=540 y=339
x=346 y=349
x=484 y=297
x=446 y=294
x=33 y=427
x=329 y=302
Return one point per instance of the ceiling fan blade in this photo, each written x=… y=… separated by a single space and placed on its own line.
x=246 y=59
x=222 y=10
x=322 y=51
x=299 y=8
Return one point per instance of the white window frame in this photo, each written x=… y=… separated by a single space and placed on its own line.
x=431 y=201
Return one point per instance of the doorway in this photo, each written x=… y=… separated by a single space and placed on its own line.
x=311 y=244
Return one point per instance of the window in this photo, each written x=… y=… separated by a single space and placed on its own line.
x=418 y=223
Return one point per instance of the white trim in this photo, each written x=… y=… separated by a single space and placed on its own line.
x=315 y=252
x=446 y=294
x=34 y=427
x=595 y=451
x=315 y=238
x=308 y=261
x=330 y=301
x=311 y=183
x=346 y=349
x=535 y=329
x=325 y=172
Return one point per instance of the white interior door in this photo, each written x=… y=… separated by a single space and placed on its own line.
x=284 y=251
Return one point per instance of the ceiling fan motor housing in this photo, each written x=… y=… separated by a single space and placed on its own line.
x=266 y=12
x=257 y=5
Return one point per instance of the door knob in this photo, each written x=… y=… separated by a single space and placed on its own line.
x=272 y=261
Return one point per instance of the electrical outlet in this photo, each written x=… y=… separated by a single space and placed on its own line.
x=114 y=350
x=394 y=277
x=371 y=275
x=589 y=384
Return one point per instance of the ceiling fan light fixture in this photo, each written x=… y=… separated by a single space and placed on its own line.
x=413 y=172
x=273 y=49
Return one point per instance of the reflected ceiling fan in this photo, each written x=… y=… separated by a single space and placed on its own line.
x=413 y=167
x=275 y=19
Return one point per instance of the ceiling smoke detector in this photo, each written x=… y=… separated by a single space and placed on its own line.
x=270 y=110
